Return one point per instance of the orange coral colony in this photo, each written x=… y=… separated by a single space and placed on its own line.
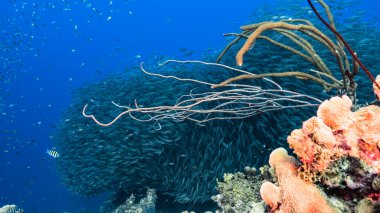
x=293 y=194
x=337 y=131
x=334 y=133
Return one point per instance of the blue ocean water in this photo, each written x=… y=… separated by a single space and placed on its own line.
x=48 y=49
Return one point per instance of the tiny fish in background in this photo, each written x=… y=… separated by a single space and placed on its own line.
x=52 y=153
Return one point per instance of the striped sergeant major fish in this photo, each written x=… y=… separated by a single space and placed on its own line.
x=52 y=153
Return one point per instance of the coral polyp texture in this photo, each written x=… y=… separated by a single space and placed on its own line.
x=336 y=168
x=293 y=194
x=339 y=152
x=335 y=132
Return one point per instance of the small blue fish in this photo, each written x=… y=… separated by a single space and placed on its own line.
x=52 y=153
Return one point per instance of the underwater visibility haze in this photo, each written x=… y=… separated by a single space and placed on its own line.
x=174 y=106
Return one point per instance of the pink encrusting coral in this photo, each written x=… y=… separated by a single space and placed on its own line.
x=293 y=194
x=336 y=137
x=336 y=131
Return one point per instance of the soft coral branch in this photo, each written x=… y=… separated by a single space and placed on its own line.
x=352 y=53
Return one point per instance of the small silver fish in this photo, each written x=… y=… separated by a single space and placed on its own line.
x=52 y=153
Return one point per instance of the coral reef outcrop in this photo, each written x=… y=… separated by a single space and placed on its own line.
x=238 y=194
x=146 y=204
x=335 y=132
x=293 y=194
x=337 y=166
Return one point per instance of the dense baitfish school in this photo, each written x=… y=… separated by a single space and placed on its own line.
x=283 y=118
